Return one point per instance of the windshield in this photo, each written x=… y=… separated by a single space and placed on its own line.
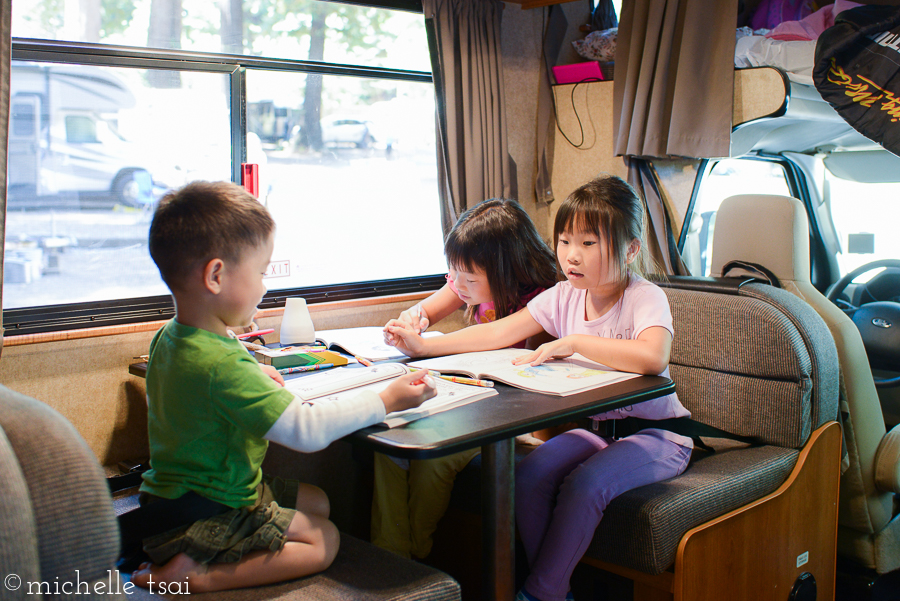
x=866 y=217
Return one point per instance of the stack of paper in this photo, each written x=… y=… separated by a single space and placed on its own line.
x=342 y=382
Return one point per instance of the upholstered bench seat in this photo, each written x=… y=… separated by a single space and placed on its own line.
x=361 y=572
x=642 y=528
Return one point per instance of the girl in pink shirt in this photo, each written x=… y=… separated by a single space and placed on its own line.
x=498 y=263
x=606 y=311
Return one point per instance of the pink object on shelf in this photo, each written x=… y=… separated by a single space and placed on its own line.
x=589 y=71
x=250 y=178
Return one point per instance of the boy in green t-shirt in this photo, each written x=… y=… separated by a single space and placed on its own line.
x=213 y=410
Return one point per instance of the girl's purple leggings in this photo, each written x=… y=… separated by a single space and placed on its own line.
x=563 y=487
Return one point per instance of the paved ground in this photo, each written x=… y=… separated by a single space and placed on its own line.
x=346 y=216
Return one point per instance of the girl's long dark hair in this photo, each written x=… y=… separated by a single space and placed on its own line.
x=498 y=237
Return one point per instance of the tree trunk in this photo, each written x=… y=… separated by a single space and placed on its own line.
x=232 y=30
x=165 y=32
x=82 y=20
x=312 y=96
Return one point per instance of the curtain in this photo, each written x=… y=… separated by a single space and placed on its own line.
x=554 y=35
x=672 y=96
x=5 y=52
x=473 y=158
x=660 y=237
x=674 y=78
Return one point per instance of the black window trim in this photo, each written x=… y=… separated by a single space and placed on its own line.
x=53 y=318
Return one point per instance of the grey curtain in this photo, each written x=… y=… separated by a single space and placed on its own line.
x=672 y=96
x=473 y=158
x=554 y=34
x=674 y=78
x=660 y=237
x=5 y=51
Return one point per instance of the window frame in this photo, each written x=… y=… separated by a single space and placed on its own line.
x=52 y=318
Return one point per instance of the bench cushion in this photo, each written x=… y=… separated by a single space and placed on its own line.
x=361 y=572
x=642 y=527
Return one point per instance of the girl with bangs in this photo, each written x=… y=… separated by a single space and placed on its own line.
x=606 y=311
x=498 y=263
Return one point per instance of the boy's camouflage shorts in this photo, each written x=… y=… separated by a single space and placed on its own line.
x=229 y=536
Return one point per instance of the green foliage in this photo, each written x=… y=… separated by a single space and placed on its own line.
x=356 y=27
x=49 y=15
x=115 y=16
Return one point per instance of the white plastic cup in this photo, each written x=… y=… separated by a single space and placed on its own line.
x=296 y=324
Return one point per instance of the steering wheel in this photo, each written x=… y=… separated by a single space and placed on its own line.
x=878 y=323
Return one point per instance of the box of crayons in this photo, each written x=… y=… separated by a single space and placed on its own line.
x=299 y=356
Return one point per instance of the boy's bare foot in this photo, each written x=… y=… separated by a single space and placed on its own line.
x=180 y=569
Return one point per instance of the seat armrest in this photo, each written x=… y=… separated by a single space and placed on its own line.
x=887 y=462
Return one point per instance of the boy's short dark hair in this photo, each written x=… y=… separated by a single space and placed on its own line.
x=203 y=221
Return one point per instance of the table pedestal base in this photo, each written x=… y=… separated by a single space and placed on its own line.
x=498 y=511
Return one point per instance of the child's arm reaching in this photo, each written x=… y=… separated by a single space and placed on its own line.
x=482 y=337
x=647 y=354
x=272 y=373
x=428 y=312
x=309 y=427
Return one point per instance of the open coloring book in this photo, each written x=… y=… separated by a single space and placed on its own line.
x=342 y=382
x=366 y=342
x=560 y=377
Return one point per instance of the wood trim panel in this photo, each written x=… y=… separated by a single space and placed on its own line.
x=152 y=326
x=752 y=553
x=662 y=582
x=715 y=560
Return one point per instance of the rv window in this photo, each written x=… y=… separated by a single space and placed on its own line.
x=101 y=133
x=723 y=179
x=80 y=130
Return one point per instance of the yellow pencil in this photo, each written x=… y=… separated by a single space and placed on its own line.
x=431 y=372
x=470 y=381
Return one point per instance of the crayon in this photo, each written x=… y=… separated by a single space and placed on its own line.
x=470 y=381
x=254 y=333
x=294 y=370
x=364 y=361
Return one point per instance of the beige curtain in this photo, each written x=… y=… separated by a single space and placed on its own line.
x=674 y=78
x=473 y=159
x=554 y=34
x=672 y=96
x=5 y=51
x=660 y=236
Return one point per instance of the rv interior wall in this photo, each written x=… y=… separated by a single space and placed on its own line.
x=87 y=379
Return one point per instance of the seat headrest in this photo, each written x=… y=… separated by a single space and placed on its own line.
x=766 y=229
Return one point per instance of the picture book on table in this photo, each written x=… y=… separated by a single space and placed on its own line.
x=342 y=382
x=365 y=342
x=560 y=377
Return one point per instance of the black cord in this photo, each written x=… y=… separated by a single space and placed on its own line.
x=575 y=111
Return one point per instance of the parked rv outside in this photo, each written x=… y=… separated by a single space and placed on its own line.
x=64 y=142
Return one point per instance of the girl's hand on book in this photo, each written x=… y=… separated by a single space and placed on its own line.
x=413 y=318
x=406 y=339
x=272 y=373
x=408 y=391
x=557 y=349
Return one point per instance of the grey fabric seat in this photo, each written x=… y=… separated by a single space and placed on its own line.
x=58 y=525
x=758 y=362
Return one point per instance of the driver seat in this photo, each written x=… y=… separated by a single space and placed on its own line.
x=773 y=231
